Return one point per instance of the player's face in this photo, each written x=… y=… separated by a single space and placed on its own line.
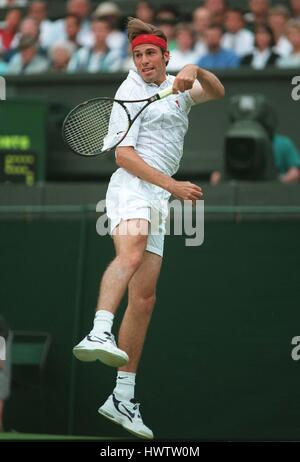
x=150 y=63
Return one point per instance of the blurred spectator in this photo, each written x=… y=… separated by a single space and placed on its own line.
x=72 y=28
x=167 y=18
x=217 y=9
x=295 y=8
x=184 y=52
x=293 y=33
x=258 y=13
x=5 y=369
x=145 y=11
x=277 y=19
x=99 y=58
x=13 y=3
x=236 y=37
x=111 y=13
x=28 y=60
x=7 y=34
x=29 y=27
x=81 y=9
x=60 y=55
x=128 y=62
x=263 y=54
x=38 y=11
x=217 y=57
x=201 y=22
x=287 y=159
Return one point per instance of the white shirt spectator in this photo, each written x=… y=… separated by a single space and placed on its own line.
x=291 y=61
x=200 y=48
x=178 y=59
x=87 y=60
x=242 y=43
x=85 y=37
x=260 y=58
x=283 y=46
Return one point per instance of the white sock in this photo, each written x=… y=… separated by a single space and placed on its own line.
x=125 y=385
x=103 y=322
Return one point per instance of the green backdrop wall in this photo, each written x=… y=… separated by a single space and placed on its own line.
x=217 y=361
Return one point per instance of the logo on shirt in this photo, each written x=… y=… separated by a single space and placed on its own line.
x=177 y=102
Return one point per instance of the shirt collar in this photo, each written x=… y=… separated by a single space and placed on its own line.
x=134 y=75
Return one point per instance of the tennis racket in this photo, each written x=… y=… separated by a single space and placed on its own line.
x=100 y=124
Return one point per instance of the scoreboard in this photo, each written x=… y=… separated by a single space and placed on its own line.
x=22 y=141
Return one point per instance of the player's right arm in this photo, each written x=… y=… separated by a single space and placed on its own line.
x=128 y=158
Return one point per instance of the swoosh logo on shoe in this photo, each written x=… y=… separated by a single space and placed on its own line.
x=99 y=340
x=117 y=403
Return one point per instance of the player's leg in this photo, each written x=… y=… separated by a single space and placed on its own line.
x=141 y=300
x=121 y=406
x=130 y=239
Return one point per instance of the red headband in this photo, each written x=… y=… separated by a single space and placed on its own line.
x=149 y=38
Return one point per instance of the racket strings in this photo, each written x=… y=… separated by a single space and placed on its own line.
x=86 y=128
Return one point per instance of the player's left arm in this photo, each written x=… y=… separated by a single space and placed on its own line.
x=203 y=85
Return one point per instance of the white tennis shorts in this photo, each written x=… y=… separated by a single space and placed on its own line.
x=129 y=197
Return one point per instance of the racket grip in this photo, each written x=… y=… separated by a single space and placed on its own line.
x=168 y=91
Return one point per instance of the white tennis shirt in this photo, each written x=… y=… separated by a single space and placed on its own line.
x=157 y=135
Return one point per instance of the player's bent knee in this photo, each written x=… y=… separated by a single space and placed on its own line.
x=134 y=260
x=145 y=303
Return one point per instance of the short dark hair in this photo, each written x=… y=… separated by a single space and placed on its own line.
x=266 y=28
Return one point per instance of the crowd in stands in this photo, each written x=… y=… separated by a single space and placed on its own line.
x=215 y=35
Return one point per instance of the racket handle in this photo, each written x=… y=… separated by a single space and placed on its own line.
x=168 y=91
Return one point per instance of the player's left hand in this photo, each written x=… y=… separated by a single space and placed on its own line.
x=185 y=78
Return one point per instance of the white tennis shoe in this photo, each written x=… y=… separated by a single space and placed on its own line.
x=127 y=414
x=102 y=347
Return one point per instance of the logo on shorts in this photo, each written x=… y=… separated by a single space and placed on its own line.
x=2 y=349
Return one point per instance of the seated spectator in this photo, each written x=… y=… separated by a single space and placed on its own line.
x=29 y=27
x=201 y=22
x=293 y=34
x=263 y=54
x=111 y=13
x=236 y=37
x=13 y=3
x=99 y=58
x=167 y=18
x=277 y=19
x=27 y=60
x=72 y=29
x=217 y=9
x=217 y=57
x=258 y=13
x=81 y=9
x=8 y=32
x=60 y=55
x=38 y=11
x=184 y=52
x=145 y=11
x=295 y=8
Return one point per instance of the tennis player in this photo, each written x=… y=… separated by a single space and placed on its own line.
x=147 y=158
